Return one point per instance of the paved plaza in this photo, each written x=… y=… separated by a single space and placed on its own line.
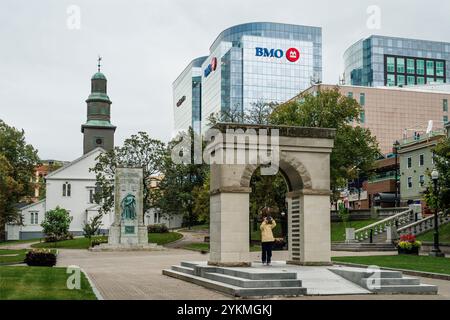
x=137 y=275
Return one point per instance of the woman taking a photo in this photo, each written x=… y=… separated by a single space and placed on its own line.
x=267 y=239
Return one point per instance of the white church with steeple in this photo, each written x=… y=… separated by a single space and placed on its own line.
x=72 y=187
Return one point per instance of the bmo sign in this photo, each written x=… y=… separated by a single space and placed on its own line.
x=292 y=54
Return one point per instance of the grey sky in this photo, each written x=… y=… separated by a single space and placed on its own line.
x=45 y=68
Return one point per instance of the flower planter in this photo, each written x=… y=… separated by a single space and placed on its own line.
x=413 y=251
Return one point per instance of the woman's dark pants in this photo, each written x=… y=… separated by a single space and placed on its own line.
x=266 y=252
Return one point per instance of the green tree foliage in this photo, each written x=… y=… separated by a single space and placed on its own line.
x=137 y=151
x=267 y=191
x=56 y=224
x=200 y=194
x=91 y=228
x=175 y=192
x=17 y=163
x=355 y=148
x=441 y=199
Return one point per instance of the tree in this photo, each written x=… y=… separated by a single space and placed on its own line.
x=355 y=149
x=56 y=224
x=137 y=151
x=175 y=194
x=200 y=194
x=17 y=164
x=441 y=199
x=91 y=228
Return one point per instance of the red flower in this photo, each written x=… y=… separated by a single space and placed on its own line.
x=408 y=238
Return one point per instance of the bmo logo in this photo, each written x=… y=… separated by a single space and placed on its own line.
x=211 y=67
x=292 y=54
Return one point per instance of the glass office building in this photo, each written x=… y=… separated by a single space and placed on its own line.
x=257 y=62
x=187 y=95
x=387 y=61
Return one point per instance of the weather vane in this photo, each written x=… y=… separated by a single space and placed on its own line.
x=99 y=65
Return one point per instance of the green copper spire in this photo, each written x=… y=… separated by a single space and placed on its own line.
x=98 y=130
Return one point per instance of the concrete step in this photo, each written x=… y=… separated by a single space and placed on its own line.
x=257 y=275
x=384 y=281
x=405 y=281
x=360 y=247
x=399 y=289
x=189 y=264
x=246 y=283
x=356 y=274
x=183 y=269
x=235 y=290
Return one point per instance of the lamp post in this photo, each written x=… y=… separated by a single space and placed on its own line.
x=436 y=252
x=284 y=226
x=396 y=146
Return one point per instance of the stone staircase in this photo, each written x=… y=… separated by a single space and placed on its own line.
x=384 y=281
x=238 y=283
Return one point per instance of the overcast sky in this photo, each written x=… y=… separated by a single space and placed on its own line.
x=45 y=66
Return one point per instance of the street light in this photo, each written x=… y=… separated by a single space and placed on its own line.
x=284 y=226
x=436 y=252
x=396 y=147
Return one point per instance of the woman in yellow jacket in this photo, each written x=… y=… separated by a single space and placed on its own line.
x=267 y=239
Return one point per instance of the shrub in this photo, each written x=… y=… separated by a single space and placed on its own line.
x=92 y=227
x=408 y=242
x=98 y=241
x=157 y=228
x=40 y=258
x=56 y=225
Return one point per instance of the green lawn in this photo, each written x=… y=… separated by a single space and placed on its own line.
x=203 y=246
x=444 y=234
x=10 y=242
x=418 y=263
x=84 y=243
x=164 y=238
x=338 y=228
x=12 y=256
x=40 y=283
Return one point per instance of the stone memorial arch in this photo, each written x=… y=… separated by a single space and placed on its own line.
x=303 y=157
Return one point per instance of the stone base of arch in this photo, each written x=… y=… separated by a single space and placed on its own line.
x=304 y=158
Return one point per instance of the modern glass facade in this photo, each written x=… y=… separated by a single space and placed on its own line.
x=187 y=96
x=258 y=62
x=387 y=61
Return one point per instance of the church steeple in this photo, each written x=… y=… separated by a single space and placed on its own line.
x=98 y=130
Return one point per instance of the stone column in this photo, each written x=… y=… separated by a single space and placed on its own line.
x=229 y=227
x=313 y=227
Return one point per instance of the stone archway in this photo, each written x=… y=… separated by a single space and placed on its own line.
x=303 y=155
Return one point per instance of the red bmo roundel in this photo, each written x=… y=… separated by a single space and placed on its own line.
x=292 y=55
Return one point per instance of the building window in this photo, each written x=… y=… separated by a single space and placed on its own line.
x=440 y=68
x=420 y=67
x=350 y=95
x=421 y=160
x=422 y=180
x=391 y=80
x=34 y=217
x=445 y=119
x=410 y=67
x=400 y=65
x=430 y=79
x=391 y=64
x=67 y=192
x=420 y=80
x=400 y=80
x=411 y=80
x=91 y=195
x=362 y=117
x=410 y=184
x=430 y=68
x=409 y=162
x=445 y=105
x=362 y=99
